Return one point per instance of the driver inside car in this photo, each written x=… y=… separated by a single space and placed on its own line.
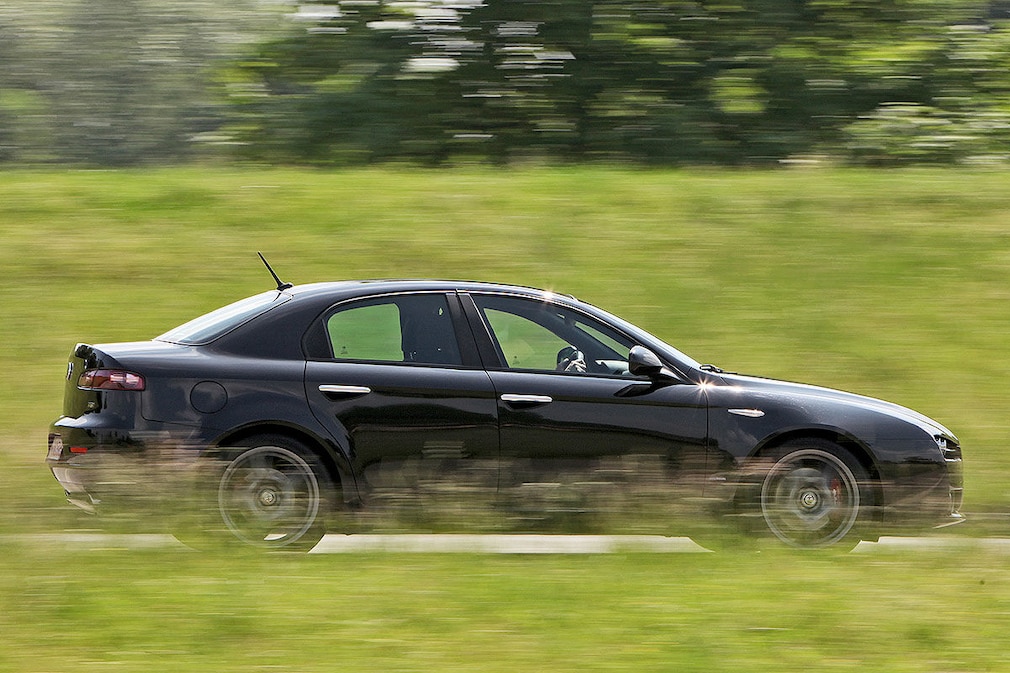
x=571 y=359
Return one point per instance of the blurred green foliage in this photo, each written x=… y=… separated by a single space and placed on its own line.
x=112 y=83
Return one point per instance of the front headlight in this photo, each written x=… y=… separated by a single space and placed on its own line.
x=948 y=446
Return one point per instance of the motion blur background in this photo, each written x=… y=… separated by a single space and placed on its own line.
x=658 y=82
x=813 y=190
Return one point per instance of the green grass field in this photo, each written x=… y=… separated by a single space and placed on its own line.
x=182 y=611
x=892 y=284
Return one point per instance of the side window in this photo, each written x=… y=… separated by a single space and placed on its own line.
x=524 y=343
x=546 y=337
x=408 y=328
x=366 y=333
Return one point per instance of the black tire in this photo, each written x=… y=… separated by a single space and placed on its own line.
x=816 y=495
x=268 y=493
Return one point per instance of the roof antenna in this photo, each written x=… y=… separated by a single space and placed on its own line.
x=281 y=285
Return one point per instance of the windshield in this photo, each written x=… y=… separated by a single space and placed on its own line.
x=647 y=339
x=208 y=327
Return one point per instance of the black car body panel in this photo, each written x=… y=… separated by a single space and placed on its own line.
x=389 y=383
x=900 y=448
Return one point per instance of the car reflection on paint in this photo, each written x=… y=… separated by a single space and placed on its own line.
x=322 y=404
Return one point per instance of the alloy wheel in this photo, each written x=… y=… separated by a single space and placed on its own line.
x=810 y=498
x=269 y=497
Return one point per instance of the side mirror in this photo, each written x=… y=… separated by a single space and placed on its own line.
x=643 y=362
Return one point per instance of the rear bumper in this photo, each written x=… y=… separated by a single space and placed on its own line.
x=76 y=481
x=102 y=468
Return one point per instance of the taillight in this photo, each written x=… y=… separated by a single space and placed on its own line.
x=110 y=379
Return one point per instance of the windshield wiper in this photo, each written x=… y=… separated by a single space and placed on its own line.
x=713 y=369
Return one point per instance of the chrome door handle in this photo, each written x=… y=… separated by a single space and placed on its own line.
x=526 y=399
x=333 y=389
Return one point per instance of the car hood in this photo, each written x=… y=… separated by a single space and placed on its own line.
x=779 y=389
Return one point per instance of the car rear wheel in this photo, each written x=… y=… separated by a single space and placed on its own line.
x=274 y=495
x=815 y=495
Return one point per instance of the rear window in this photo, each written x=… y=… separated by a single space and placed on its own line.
x=208 y=327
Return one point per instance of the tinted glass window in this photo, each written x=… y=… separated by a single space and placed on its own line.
x=408 y=328
x=367 y=333
x=208 y=327
x=543 y=336
x=524 y=343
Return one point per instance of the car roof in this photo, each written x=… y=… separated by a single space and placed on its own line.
x=354 y=288
x=309 y=299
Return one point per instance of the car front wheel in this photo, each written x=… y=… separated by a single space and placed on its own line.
x=815 y=495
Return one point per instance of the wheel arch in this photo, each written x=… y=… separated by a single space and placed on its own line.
x=857 y=449
x=330 y=457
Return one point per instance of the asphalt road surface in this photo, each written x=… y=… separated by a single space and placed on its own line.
x=492 y=544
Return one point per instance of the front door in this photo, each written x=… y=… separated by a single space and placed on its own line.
x=579 y=433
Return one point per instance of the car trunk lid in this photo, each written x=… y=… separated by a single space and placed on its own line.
x=76 y=400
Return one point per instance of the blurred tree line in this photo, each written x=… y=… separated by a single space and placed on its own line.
x=126 y=82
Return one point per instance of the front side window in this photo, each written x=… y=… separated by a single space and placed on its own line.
x=540 y=336
x=407 y=328
x=524 y=343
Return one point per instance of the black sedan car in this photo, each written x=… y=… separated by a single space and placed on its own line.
x=318 y=403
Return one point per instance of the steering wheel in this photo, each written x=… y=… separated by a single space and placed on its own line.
x=571 y=359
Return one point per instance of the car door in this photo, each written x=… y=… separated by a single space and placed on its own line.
x=578 y=432
x=405 y=396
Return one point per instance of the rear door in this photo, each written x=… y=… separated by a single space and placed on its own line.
x=405 y=396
